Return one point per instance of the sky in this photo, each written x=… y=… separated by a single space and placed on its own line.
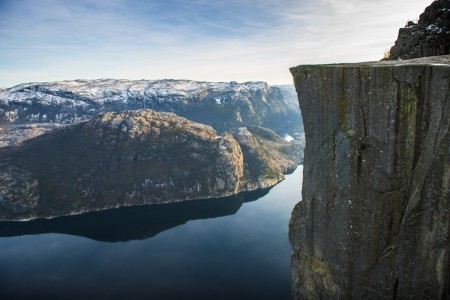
x=207 y=40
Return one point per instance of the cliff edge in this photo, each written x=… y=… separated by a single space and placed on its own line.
x=374 y=222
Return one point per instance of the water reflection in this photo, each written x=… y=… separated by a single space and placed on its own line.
x=243 y=255
x=132 y=223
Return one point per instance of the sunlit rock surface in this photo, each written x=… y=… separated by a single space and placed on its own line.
x=14 y=134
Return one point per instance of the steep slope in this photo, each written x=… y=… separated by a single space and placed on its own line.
x=266 y=153
x=221 y=105
x=374 y=222
x=428 y=37
x=130 y=158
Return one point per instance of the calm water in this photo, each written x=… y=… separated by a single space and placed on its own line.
x=233 y=248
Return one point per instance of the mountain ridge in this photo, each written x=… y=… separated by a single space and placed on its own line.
x=222 y=105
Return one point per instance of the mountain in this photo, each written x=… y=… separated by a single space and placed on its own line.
x=136 y=157
x=218 y=104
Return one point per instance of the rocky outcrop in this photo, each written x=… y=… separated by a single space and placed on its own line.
x=374 y=222
x=222 y=105
x=134 y=157
x=428 y=37
x=266 y=151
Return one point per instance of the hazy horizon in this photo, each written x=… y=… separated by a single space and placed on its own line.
x=53 y=40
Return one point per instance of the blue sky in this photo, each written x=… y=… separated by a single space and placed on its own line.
x=241 y=40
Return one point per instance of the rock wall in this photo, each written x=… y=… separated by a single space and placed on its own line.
x=429 y=36
x=374 y=222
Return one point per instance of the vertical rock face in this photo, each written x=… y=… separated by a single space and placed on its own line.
x=374 y=222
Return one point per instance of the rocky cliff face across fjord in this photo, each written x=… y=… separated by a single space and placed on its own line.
x=374 y=222
x=136 y=157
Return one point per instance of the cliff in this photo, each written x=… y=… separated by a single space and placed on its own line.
x=374 y=222
x=135 y=157
x=428 y=37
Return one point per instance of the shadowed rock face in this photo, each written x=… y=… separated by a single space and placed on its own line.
x=374 y=222
x=428 y=37
x=134 y=157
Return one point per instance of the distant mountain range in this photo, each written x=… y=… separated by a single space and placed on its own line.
x=222 y=105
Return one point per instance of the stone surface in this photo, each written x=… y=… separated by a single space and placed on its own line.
x=430 y=36
x=374 y=222
x=135 y=157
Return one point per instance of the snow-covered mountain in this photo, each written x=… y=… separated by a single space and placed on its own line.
x=222 y=105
